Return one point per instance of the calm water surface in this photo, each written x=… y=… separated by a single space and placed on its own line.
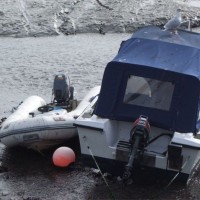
x=28 y=65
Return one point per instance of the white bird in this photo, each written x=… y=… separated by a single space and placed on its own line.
x=174 y=23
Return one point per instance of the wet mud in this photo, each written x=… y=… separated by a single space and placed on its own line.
x=29 y=175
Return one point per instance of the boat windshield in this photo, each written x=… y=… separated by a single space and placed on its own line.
x=147 y=92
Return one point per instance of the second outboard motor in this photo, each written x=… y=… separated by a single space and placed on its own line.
x=139 y=137
x=62 y=90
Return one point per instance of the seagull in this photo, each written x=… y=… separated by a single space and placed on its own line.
x=174 y=23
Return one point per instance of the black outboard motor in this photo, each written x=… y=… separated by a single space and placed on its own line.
x=62 y=90
x=139 y=137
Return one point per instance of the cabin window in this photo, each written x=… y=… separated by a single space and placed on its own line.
x=147 y=92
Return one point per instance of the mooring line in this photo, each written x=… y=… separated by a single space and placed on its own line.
x=172 y=180
x=43 y=155
x=89 y=149
x=182 y=167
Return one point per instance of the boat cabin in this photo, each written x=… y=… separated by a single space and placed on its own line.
x=155 y=74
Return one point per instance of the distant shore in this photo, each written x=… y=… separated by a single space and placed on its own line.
x=49 y=17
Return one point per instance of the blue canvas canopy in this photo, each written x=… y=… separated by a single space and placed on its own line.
x=169 y=64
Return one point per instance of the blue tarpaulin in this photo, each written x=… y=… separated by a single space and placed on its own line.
x=158 y=55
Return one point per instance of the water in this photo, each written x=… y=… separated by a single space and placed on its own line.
x=195 y=3
x=27 y=67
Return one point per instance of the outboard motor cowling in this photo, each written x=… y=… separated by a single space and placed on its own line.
x=62 y=90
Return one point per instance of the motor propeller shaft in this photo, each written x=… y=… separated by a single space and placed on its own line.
x=139 y=137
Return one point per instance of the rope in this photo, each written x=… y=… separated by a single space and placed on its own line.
x=43 y=155
x=89 y=149
x=172 y=180
x=183 y=166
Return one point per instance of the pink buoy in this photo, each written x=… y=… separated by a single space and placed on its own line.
x=63 y=156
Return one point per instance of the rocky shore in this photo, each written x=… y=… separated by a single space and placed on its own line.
x=21 y=18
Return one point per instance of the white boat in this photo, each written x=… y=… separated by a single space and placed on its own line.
x=39 y=126
x=147 y=113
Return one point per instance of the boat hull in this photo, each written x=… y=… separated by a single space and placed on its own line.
x=108 y=142
x=39 y=132
x=143 y=174
x=40 y=137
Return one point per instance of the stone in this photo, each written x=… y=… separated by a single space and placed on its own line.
x=52 y=17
